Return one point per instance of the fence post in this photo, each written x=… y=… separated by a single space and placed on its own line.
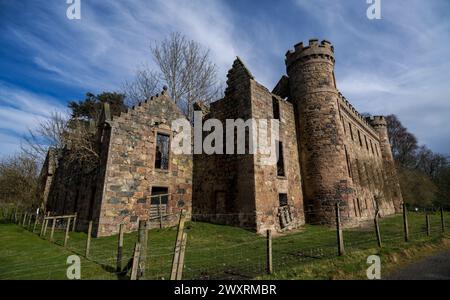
x=160 y=213
x=442 y=220
x=269 y=251
x=35 y=222
x=134 y=267
x=405 y=222
x=24 y=219
x=53 y=229
x=66 y=237
x=176 y=251
x=46 y=224
x=88 y=241
x=120 y=249
x=377 y=230
x=181 y=258
x=340 y=236
x=142 y=240
x=74 y=222
x=427 y=221
x=29 y=221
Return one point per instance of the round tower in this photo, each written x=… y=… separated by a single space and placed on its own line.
x=320 y=132
x=393 y=185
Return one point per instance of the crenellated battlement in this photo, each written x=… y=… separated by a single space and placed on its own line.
x=378 y=121
x=360 y=118
x=315 y=50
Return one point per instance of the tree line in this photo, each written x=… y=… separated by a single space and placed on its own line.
x=424 y=175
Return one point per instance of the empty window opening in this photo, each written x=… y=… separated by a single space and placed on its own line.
x=158 y=203
x=349 y=168
x=276 y=108
x=355 y=207
x=280 y=160
x=351 y=130
x=359 y=137
x=162 y=151
x=283 y=199
x=160 y=193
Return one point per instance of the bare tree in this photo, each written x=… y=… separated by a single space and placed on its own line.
x=49 y=133
x=185 y=67
x=74 y=136
x=145 y=84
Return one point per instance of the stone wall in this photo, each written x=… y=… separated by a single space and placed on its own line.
x=268 y=184
x=130 y=171
x=238 y=189
x=224 y=185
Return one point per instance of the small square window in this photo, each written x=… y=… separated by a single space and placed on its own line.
x=283 y=199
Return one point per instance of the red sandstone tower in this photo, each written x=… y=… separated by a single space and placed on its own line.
x=321 y=134
x=380 y=125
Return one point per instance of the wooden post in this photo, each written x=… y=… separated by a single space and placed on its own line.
x=405 y=222
x=66 y=237
x=120 y=250
x=24 y=219
x=88 y=241
x=29 y=221
x=134 y=267
x=35 y=222
x=160 y=213
x=269 y=251
x=74 y=222
x=44 y=228
x=53 y=229
x=442 y=220
x=427 y=221
x=377 y=230
x=142 y=239
x=176 y=251
x=180 y=267
x=340 y=236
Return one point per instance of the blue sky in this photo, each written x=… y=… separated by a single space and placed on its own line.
x=399 y=64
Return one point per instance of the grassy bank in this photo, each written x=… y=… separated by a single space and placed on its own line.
x=223 y=252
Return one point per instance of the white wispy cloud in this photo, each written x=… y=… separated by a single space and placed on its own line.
x=21 y=111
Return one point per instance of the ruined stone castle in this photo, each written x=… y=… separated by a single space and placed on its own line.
x=328 y=153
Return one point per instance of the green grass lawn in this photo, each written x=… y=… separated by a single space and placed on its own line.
x=219 y=252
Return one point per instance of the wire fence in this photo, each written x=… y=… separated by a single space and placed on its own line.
x=29 y=249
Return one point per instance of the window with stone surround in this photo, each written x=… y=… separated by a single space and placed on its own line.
x=359 y=137
x=162 y=151
x=280 y=160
